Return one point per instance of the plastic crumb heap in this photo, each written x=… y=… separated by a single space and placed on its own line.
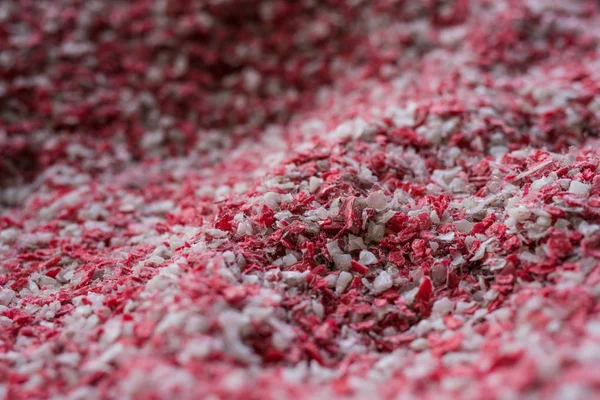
x=278 y=199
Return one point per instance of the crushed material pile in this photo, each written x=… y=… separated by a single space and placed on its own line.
x=299 y=199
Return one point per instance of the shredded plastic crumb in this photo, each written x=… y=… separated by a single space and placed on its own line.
x=282 y=199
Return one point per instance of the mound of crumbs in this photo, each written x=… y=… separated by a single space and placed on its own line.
x=273 y=199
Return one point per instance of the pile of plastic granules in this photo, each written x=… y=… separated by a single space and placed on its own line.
x=274 y=199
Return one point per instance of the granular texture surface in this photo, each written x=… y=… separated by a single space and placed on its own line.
x=314 y=199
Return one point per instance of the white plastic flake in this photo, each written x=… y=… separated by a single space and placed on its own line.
x=579 y=188
x=6 y=296
x=342 y=261
x=294 y=278
x=377 y=201
x=314 y=183
x=343 y=281
x=447 y=237
x=289 y=260
x=355 y=243
x=367 y=258
x=383 y=282
x=442 y=306
x=272 y=200
x=333 y=248
x=375 y=232
x=463 y=226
